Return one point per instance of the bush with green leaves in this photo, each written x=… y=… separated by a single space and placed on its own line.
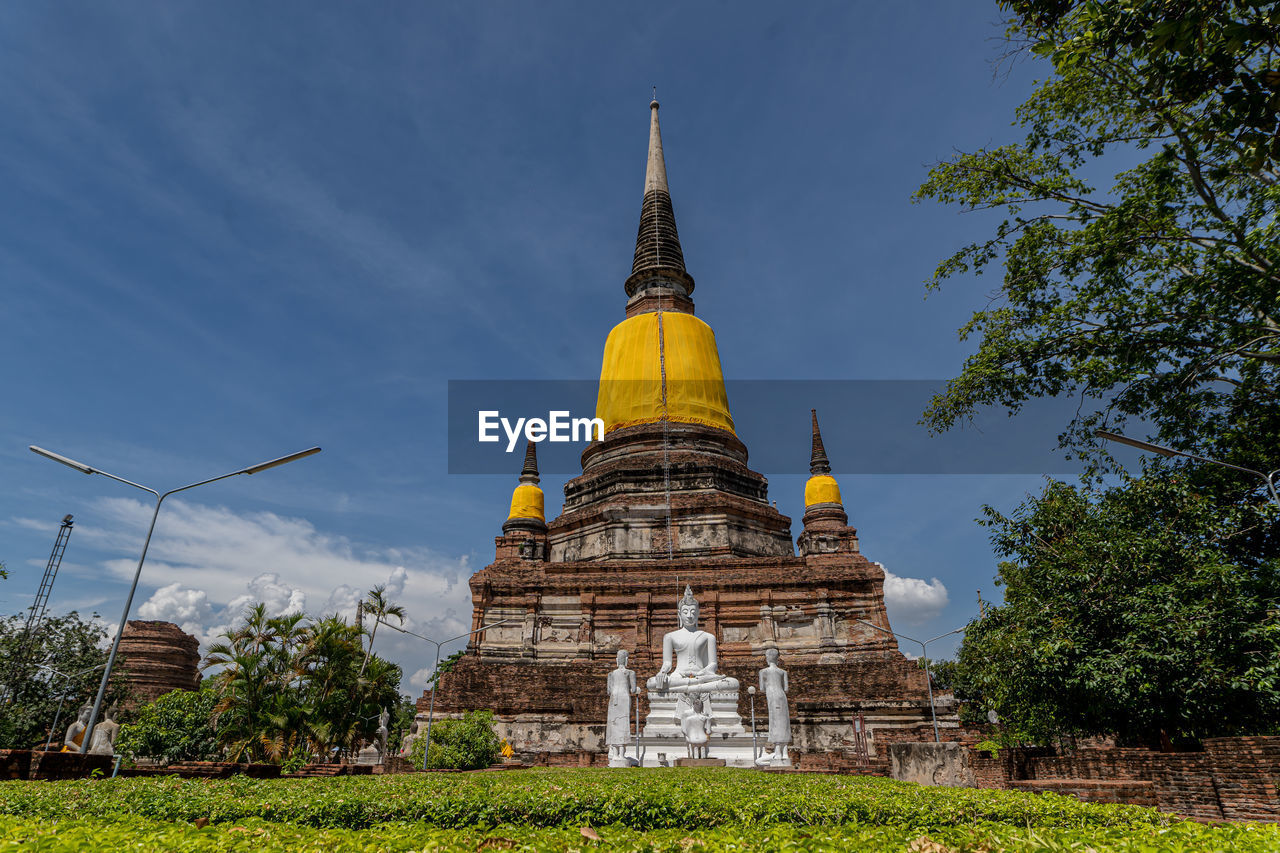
x=72 y=836
x=653 y=798
x=178 y=726
x=668 y=809
x=469 y=743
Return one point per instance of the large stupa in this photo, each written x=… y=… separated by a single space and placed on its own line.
x=666 y=500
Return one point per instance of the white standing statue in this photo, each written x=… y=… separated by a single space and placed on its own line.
x=693 y=669
x=383 y=732
x=617 y=729
x=774 y=686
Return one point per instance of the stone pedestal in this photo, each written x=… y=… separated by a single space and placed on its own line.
x=369 y=755
x=663 y=719
x=944 y=764
x=700 y=762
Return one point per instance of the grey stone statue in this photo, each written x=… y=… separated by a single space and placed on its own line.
x=406 y=742
x=383 y=732
x=104 y=735
x=75 y=732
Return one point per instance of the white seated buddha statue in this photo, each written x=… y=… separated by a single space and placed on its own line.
x=689 y=657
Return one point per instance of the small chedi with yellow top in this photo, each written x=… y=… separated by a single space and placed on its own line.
x=666 y=500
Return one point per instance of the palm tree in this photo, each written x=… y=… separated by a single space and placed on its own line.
x=378 y=605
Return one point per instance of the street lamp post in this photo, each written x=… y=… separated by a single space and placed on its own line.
x=62 y=697
x=1269 y=479
x=431 y=711
x=755 y=749
x=924 y=656
x=124 y=617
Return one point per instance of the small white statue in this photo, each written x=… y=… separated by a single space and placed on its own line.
x=75 y=732
x=696 y=726
x=383 y=732
x=774 y=686
x=693 y=669
x=617 y=729
x=103 y=741
x=406 y=742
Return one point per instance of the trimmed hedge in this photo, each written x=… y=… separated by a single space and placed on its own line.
x=141 y=834
x=674 y=798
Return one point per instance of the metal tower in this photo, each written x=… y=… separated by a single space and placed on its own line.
x=17 y=667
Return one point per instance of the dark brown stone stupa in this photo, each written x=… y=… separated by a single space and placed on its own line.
x=158 y=657
x=664 y=500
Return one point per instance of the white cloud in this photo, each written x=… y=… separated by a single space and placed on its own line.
x=421 y=678
x=913 y=601
x=188 y=608
x=210 y=563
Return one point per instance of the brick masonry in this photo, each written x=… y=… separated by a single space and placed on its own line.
x=158 y=657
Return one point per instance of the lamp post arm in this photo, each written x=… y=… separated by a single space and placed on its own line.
x=431 y=710
x=1269 y=479
x=124 y=618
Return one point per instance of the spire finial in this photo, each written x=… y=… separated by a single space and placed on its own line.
x=529 y=474
x=655 y=176
x=658 y=260
x=818 y=462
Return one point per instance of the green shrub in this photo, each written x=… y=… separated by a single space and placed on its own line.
x=661 y=798
x=74 y=835
x=466 y=744
x=178 y=726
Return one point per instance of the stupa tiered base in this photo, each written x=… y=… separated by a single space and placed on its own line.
x=665 y=500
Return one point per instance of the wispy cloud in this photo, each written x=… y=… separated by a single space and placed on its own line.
x=209 y=563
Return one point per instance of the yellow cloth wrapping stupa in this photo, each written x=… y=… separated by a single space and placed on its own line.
x=821 y=489
x=527 y=502
x=631 y=374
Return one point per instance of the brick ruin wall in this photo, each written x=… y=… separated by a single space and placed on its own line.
x=158 y=657
x=1233 y=778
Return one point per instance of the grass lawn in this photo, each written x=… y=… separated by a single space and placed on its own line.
x=662 y=809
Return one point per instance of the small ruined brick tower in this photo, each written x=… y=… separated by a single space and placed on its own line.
x=664 y=500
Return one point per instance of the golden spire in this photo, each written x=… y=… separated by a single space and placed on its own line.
x=822 y=488
x=527 y=499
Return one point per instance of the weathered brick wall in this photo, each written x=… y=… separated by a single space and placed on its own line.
x=158 y=657
x=1231 y=779
x=1093 y=790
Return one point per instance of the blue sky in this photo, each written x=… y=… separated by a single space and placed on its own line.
x=230 y=231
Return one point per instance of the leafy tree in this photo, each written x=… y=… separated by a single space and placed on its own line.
x=1146 y=609
x=445 y=666
x=402 y=717
x=469 y=743
x=178 y=726
x=1157 y=293
x=377 y=606
x=954 y=676
x=69 y=644
x=290 y=688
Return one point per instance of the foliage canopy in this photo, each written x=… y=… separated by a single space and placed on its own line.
x=1155 y=293
x=291 y=686
x=177 y=726
x=1142 y=609
x=69 y=644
